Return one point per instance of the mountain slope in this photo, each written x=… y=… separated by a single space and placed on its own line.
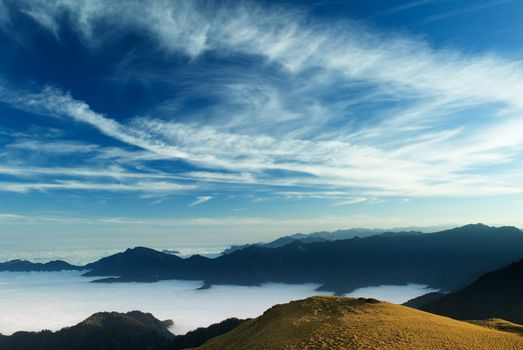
x=444 y=260
x=496 y=294
x=347 y=323
x=102 y=331
x=134 y=330
x=424 y=299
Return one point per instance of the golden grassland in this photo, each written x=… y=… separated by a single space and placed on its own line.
x=500 y=325
x=349 y=323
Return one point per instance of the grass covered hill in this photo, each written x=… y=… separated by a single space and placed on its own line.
x=134 y=330
x=348 y=323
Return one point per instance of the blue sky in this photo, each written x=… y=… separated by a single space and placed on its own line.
x=201 y=122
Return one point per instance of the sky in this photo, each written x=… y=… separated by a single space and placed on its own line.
x=167 y=123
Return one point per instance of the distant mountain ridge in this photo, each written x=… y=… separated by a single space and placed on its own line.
x=19 y=265
x=25 y=266
x=325 y=236
x=445 y=260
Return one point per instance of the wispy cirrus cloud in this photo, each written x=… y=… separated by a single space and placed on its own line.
x=60 y=147
x=437 y=118
x=367 y=168
x=355 y=200
x=147 y=187
x=200 y=200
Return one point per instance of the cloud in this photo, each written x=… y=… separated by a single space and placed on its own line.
x=112 y=172
x=297 y=43
x=54 y=147
x=9 y=217
x=352 y=201
x=369 y=169
x=332 y=107
x=147 y=187
x=199 y=200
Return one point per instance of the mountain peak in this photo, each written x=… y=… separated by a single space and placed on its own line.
x=141 y=250
x=135 y=321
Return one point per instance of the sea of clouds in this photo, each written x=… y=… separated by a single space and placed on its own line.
x=51 y=300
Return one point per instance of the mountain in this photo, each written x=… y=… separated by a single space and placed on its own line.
x=27 y=266
x=103 y=331
x=134 y=330
x=445 y=260
x=497 y=294
x=424 y=299
x=148 y=265
x=321 y=236
x=348 y=323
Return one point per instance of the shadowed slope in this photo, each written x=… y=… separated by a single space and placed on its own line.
x=102 y=331
x=495 y=294
x=347 y=323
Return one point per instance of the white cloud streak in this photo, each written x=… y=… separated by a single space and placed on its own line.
x=200 y=200
x=149 y=187
x=355 y=200
x=426 y=149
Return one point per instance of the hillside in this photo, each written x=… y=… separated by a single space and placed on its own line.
x=348 y=323
x=424 y=299
x=496 y=294
x=134 y=330
x=445 y=260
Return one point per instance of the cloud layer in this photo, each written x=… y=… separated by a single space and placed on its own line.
x=70 y=299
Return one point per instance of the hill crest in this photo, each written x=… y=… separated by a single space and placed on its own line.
x=350 y=323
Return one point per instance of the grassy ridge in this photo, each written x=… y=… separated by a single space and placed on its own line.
x=348 y=323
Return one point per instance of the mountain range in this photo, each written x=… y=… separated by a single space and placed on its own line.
x=319 y=237
x=24 y=265
x=445 y=260
x=481 y=314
